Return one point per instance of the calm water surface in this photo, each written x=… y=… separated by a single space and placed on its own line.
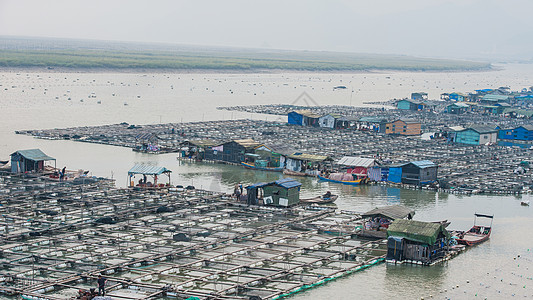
x=35 y=100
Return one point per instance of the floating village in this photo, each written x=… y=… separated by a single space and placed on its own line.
x=63 y=231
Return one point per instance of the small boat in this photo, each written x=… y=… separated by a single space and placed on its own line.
x=348 y=182
x=477 y=234
x=294 y=173
x=254 y=167
x=525 y=203
x=320 y=200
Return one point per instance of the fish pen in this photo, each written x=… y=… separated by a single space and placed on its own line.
x=164 y=244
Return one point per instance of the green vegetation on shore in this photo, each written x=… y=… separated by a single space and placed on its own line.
x=238 y=60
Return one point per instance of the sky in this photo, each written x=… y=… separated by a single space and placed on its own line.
x=465 y=29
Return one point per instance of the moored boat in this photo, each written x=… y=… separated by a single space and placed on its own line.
x=254 y=167
x=320 y=200
x=348 y=182
x=477 y=234
x=293 y=173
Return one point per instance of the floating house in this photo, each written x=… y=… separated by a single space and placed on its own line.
x=419 y=96
x=457 y=97
x=420 y=172
x=407 y=104
x=491 y=99
x=284 y=192
x=147 y=170
x=377 y=124
x=358 y=166
x=404 y=127
x=416 y=242
x=477 y=135
x=31 y=160
x=232 y=152
x=271 y=155
x=457 y=108
x=517 y=113
x=521 y=136
x=303 y=118
x=195 y=149
x=378 y=220
x=416 y=173
x=329 y=120
x=307 y=163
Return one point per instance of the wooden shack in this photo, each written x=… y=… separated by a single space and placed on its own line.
x=232 y=152
x=416 y=242
x=404 y=127
x=31 y=160
x=284 y=192
x=378 y=220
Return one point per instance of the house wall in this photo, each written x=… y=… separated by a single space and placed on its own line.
x=400 y=127
x=327 y=121
x=518 y=133
x=404 y=104
x=468 y=136
x=295 y=118
x=293 y=164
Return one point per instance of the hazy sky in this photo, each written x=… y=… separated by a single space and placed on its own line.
x=497 y=29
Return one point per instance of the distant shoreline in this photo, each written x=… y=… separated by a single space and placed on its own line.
x=227 y=71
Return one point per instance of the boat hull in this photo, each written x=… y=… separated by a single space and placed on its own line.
x=354 y=182
x=319 y=200
x=253 y=167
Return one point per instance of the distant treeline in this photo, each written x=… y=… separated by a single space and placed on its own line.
x=239 y=60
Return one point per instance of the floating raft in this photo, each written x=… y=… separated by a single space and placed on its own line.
x=58 y=237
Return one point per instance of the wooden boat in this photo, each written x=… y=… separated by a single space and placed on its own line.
x=351 y=182
x=525 y=203
x=254 y=167
x=477 y=234
x=293 y=173
x=320 y=200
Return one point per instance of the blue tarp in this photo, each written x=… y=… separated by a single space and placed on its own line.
x=395 y=174
x=295 y=118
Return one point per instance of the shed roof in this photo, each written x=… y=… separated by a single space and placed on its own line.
x=422 y=232
x=373 y=119
x=392 y=212
x=460 y=104
x=247 y=143
x=357 y=161
x=202 y=143
x=148 y=170
x=33 y=154
x=287 y=183
x=257 y=185
x=308 y=113
x=495 y=98
x=282 y=149
x=422 y=164
x=308 y=157
x=457 y=128
x=481 y=129
x=406 y=121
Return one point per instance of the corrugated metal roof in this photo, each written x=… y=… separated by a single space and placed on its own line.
x=288 y=183
x=457 y=128
x=203 y=143
x=459 y=104
x=492 y=97
x=309 y=114
x=248 y=143
x=357 y=161
x=422 y=232
x=34 y=154
x=373 y=119
x=482 y=129
x=392 y=212
x=308 y=157
x=148 y=170
x=422 y=164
